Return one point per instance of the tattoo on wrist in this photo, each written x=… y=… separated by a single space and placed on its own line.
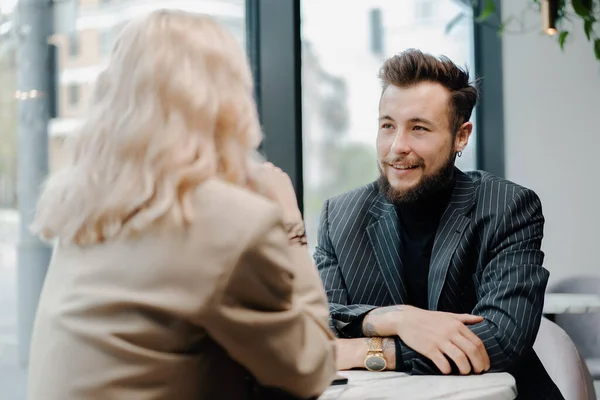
x=368 y=327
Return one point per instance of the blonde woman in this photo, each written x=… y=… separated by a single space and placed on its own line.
x=179 y=269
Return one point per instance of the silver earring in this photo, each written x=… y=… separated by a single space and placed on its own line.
x=459 y=154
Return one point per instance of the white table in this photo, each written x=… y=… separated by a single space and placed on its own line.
x=364 y=385
x=571 y=303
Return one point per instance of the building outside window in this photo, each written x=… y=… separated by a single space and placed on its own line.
x=74 y=95
x=73 y=44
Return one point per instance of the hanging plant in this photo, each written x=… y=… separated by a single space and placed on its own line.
x=559 y=18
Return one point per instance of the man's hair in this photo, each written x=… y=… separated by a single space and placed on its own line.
x=412 y=67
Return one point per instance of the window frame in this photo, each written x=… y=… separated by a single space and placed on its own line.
x=273 y=38
x=490 y=110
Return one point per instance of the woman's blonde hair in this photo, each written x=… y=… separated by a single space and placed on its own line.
x=173 y=108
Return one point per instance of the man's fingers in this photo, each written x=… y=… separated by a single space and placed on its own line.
x=466 y=332
x=440 y=361
x=471 y=351
x=468 y=318
x=457 y=355
x=474 y=339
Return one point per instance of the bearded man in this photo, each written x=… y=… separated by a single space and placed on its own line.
x=431 y=270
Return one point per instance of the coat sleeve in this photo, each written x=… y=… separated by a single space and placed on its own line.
x=345 y=319
x=271 y=315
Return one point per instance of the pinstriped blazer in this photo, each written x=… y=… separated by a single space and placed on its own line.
x=486 y=260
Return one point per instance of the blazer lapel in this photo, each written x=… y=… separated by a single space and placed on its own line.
x=384 y=236
x=451 y=228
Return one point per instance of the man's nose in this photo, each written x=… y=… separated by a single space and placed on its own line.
x=400 y=145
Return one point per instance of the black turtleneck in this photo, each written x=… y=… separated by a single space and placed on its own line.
x=418 y=225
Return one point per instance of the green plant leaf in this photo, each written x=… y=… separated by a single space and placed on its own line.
x=501 y=29
x=597 y=48
x=489 y=8
x=582 y=7
x=587 y=27
x=504 y=24
x=561 y=39
x=450 y=25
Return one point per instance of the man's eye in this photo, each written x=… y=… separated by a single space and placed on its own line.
x=386 y=126
x=419 y=128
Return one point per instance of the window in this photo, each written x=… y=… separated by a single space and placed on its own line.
x=100 y=20
x=340 y=88
x=337 y=104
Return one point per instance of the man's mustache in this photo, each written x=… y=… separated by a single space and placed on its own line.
x=419 y=162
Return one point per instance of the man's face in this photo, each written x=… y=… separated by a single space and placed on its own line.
x=415 y=145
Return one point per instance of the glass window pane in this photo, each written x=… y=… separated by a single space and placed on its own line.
x=341 y=58
x=12 y=378
x=80 y=56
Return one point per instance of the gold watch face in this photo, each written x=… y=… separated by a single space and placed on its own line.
x=375 y=363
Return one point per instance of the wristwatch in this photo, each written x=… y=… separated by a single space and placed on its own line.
x=374 y=361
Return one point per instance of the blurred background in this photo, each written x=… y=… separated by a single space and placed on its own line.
x=315 y=64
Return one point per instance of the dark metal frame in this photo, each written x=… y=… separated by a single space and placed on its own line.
x=490 y=112
x=273 y=39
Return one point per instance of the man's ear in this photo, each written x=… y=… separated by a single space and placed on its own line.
x=462 y=136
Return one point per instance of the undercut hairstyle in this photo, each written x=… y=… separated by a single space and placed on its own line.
x=412 y=66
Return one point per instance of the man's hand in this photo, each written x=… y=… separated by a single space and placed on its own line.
x=434 y=334
x=351 y=353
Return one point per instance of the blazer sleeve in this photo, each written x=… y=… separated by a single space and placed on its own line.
x=511 y=291
x=271 y=315
x=345 y=319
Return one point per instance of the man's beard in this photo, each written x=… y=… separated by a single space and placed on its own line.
x=427 y=187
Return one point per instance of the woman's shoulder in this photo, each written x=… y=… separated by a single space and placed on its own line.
x=217 y=192
x=231 y=204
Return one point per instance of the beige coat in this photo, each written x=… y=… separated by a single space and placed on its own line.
x=181 y=313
